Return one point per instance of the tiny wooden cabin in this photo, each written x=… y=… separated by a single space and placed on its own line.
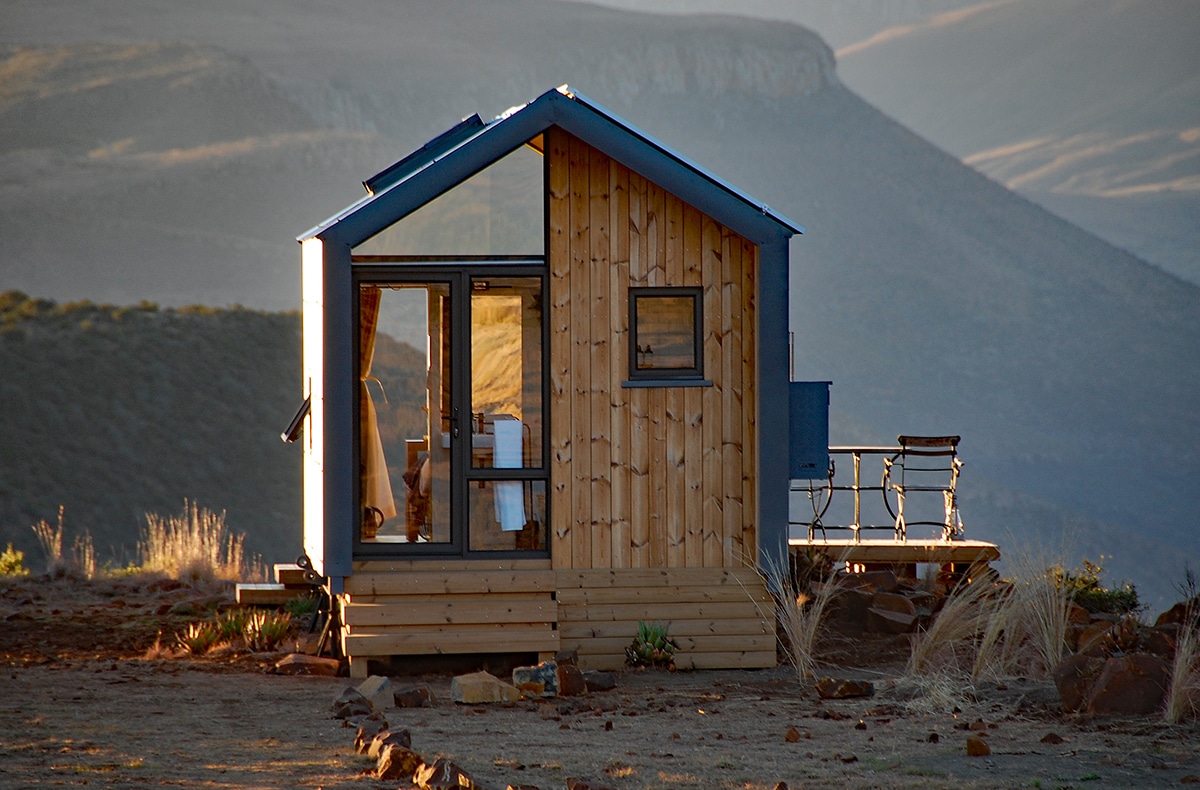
x=547 y=366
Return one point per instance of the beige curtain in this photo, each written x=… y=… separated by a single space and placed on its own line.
x=376 y=486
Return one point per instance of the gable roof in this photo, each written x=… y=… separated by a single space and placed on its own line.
x=472 y=145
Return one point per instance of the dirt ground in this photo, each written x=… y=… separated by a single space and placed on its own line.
x=83 y=705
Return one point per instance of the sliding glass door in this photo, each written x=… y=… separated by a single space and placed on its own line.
x=451 y=439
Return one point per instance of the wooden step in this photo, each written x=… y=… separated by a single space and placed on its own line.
x=266 y=594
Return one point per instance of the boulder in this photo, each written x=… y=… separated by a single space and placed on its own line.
x=837 y=688
x=418 y=696
x=538 y=681
x=480 y=687
x=351 y=703
x=1180 y=613
x=847 y=610
x=397 y=762
x=1073 y=678
x=1160 y=640
x=386 y=738
x=300 y=664
x=1077 y=615
x=570 y=681
x=368 y=728
x=882 y=621
x=567 y=657
x=598 y=680
x=893 y=602
x=378 y=690
x=977 y=746
x=1131 y=685
x=442 y=774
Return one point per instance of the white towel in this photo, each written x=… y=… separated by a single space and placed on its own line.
x=509 y=494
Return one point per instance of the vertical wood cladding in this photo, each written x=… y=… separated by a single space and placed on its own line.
x=644 y=477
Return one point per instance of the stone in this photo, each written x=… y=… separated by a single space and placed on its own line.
x=570 y=681
x=378 y=690
x=598 y=680
x=1130 y=685
x=1074 y=677
x=386 y=738
x=882 y=621
x=837 y=688
x=792 y=735
x=1077 y=615
x=1160 y=640
x=1179 y=613
x=351 y=703
x=977 y=746
x=442 y=774
x=1053 y=738
x=538 y=681
x=397 y=762
x=567 y=657
x=418 y=696
x=300 y=664
x=893 y=602
x=847 y=610
x=1095 y=639
x=481 y=687
x=368 y=728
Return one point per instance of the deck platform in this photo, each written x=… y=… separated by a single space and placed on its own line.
x=907 y=554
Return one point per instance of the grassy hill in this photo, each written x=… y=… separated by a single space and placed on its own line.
x=115 y=411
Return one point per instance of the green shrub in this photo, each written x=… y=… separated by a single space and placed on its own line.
x=199 y=638
x=652 y=647
x=1084 y=586
x=12 y=562
x=265 y=631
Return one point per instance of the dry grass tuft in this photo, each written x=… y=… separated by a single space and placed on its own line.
x=1183 y=693
x=949 y=644
x=51 y=541
x=194 y=547
x=802 y=613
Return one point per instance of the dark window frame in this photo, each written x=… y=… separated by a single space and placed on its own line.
x=655 y=377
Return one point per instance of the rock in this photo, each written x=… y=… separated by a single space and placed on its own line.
x=977 y=746
x=386 y=738
x=1053 y=738
x=480 y=687
x=538 y=681
x=881 y=621
x=847 y=611
x=1160 y=640
x=792 y=735
x=1077 y=615
x=836 y=688
x=893 y=602
x=597 y=680
x=1074 y=677
x=567 y=657
x=570 y=681
x=378 y=690
x=367 y=730
x=300 y=664
x=1095 y=640
x=1179 y=613
x=397 y=762
x=418 y=696
x=351 y=703
x=1130 y=685
x=442 y=774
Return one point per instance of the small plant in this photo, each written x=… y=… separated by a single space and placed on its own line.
x=51 y=540
x=232 y=624
x=804 y=596
x=652 y=647
x=265 y=631
x=1083 y=585
x=12 y=562
x=199 y=638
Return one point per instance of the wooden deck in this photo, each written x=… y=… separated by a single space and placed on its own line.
x=719 y=617
x=890 y=552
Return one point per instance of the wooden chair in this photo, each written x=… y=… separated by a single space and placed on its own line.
x=922 y=466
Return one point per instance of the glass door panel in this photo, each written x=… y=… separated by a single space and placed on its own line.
x=405 y=412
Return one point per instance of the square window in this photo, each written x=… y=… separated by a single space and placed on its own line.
x=665 y=336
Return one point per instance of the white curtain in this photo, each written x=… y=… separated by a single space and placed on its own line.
x=376 y=486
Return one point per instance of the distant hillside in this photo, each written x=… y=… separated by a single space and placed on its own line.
x=116 y=411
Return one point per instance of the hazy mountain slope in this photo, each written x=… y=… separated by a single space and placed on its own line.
x=936 y=300
x=1090 y=108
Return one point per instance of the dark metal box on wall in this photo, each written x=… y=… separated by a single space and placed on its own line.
x=808 y=406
